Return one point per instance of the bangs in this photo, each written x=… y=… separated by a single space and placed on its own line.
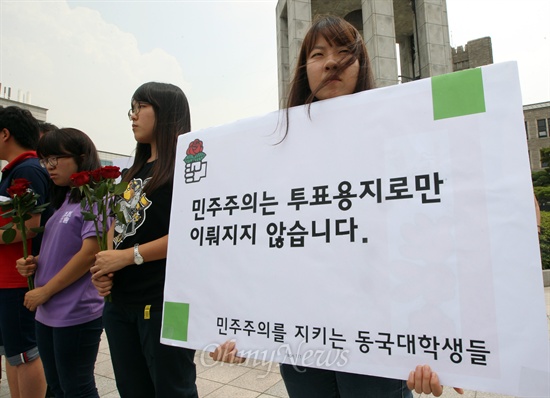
x=147 y=92
x=49 y=145
x=141 y=95
x=335 y=33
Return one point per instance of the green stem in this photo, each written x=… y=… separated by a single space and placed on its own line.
x=107 y=299
x=30 y=279
x=23 y=229
x=91 y=210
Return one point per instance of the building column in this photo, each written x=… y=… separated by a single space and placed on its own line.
x=293 y=22
x=379 y=34
x=433 y=38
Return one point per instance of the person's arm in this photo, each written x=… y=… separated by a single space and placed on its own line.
x=33 y=222
x=110 y=261
x=77 y=266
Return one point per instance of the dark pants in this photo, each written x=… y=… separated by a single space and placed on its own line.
x=145 y=368
x=17 y=328
x=303 y=382
x=68 y=355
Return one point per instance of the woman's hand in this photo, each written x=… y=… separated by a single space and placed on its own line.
x=103 y=284
x=227 y=352
x=36 y=297
x=110 y=261
x=26 y=267
x=423 y=380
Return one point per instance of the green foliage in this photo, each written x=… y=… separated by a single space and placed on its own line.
x=9 y=235
x=545 y=156
x=544 y=239
x=541 y=178
x=543 y=196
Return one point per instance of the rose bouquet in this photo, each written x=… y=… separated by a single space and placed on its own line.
x=20 y=208
x=99 y=189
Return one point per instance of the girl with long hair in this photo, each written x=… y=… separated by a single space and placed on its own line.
x=333 y=61
x=132 y=272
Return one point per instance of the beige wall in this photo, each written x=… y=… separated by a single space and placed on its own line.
x=535 y=140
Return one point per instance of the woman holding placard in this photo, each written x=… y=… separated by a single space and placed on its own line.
x=333 y=61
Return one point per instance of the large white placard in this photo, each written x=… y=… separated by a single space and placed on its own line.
x=390 y=228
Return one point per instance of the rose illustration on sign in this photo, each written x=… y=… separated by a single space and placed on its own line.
x=195 y=168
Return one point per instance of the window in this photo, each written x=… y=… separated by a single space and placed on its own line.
x=543 y=159
x=526 y=130
x=541 y=128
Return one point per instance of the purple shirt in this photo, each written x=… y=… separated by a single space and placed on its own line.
x=79 y=302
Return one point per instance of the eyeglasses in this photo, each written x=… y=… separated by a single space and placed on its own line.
x=134 y=110
x=52 y=160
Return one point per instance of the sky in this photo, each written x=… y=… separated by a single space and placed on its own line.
x=83 y=60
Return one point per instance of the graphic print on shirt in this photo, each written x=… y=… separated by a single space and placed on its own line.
x=133 y=205
x=65 y=218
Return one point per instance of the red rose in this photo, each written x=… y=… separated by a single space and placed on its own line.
x=96 y=175
x=79 y=179
x=110 y=172
x=194 y=147
x=19 y=187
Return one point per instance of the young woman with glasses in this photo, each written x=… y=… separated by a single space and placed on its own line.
x=133 y=271
x=68 y=308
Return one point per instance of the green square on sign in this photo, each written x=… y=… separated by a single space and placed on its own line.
x=176 y=321
x=458 y=94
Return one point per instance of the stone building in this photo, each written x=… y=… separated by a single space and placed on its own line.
x=537 y=129
x=419 y=27
x=420 y=30
x=475 y=53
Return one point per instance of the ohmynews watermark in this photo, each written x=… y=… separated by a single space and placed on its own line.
x=285 y=353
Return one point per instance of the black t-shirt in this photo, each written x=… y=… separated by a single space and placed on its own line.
x=147 y=219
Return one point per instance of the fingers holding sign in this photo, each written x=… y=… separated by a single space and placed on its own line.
x=424 y=381
x=227 y=352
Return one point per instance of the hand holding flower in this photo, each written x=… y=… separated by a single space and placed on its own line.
x=26 y=266
x=103 y=284
x=110 y=261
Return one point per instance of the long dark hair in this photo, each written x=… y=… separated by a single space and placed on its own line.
x=339 y=33
x=172 y=119
x=68 y=141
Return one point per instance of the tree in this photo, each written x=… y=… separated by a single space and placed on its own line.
x=541 y=185
x=541 y=181
x=544 y=239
